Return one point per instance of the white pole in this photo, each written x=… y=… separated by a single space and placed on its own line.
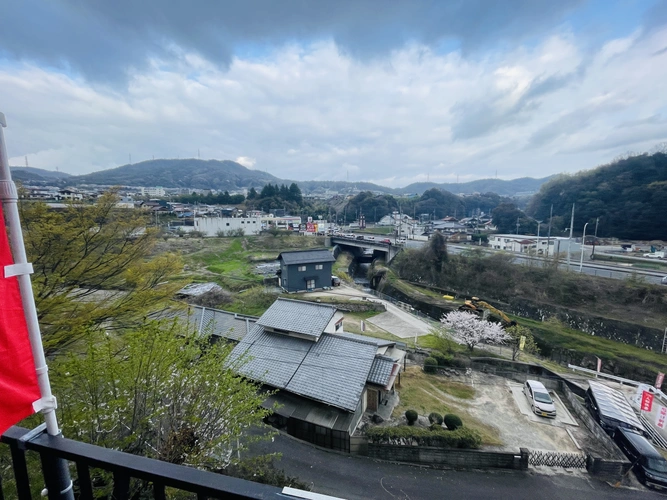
x=583 y=240
x=9 y=198
x=569 y=241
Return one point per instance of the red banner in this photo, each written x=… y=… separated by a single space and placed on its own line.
x=647 y=401
x=18 y=380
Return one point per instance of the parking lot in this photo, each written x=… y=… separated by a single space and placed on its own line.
x=502 y=404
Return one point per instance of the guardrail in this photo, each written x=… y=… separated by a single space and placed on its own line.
x=620 y=380
x=403 y=306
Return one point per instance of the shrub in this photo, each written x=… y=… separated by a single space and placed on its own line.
x=442 y=359
x=430 y=365
x=435 y=418
x=412 y=416
x=453 y=422
x=416 y=436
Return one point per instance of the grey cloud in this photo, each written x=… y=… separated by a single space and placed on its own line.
x=102 y=39
x=475 y=119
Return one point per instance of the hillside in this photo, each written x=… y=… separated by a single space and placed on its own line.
x=191 y=173
x=629 y=196
x=513 y=187
x=31 y=174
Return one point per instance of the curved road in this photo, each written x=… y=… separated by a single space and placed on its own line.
x=361 y=478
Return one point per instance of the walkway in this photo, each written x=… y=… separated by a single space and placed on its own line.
x=395 y=320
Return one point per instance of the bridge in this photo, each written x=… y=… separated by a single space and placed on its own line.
x=385 y=251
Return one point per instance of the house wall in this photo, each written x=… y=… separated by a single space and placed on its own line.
x=293 y=280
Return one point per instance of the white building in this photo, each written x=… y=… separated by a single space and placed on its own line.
x=152 y=191
x=542 y=246
x=212 y=226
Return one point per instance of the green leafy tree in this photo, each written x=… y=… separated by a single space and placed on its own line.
x=93 y=267
x=514 y=342
x=157 y=391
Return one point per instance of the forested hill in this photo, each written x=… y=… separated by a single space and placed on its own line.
x=512 y=187
x=32 y=174
x=192 y=173
x=629 y=196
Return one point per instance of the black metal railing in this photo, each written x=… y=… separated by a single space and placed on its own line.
x=124 y=467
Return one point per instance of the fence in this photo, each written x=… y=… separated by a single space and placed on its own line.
x=124 y=468
x=449 y=457
x=557 y=459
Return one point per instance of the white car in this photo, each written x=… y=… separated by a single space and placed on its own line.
x=541 y=403
x=664 y=280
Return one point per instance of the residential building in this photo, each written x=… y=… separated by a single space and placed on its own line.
x=533 y=245
x=152 y=191
x=326 y=379
x=305 y=270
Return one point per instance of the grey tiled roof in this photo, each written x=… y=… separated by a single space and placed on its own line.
x=306 y=318
x=333 y=370
x=381 y=370
x=363 y=338
x=306 y=257
x=215 y=322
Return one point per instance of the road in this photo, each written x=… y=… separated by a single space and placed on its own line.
x=354 y=477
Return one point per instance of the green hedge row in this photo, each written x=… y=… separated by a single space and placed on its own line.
x=403 y=434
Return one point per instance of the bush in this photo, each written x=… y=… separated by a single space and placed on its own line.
x=412 y=416
x=430 y=365
x=442 y=359
x=453 y=422
x=435 y=418
x=416 y=436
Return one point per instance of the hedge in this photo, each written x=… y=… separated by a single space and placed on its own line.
x=453 y=422
x=417 y=436
x=430 y=365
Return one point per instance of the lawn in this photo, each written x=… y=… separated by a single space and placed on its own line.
x=427 y=393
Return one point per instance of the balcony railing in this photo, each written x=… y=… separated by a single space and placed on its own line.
x=123 y=467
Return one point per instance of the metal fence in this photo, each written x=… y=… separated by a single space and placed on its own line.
x=557 y=459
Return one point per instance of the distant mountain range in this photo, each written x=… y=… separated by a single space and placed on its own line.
x=31 y=174
x=229 y=175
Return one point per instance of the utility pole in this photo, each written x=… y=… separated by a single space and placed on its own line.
x=517 y=225
x=538 y=237
x=569 y=241
x=597 y=220
x=551 y=214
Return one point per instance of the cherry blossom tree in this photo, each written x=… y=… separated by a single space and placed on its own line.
x=470 y=330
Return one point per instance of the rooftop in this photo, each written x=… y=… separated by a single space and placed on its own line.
x=333 y=371
x=381 y=370
x=306 y=257
x=305 y=318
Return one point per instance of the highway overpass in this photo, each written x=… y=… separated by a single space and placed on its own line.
x=385 y=251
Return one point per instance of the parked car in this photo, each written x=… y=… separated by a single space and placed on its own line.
x=648 y=464
x=540 y=402
x=335 y=281
x=664 y=280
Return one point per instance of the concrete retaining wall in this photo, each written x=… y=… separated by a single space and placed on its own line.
x=449 y=457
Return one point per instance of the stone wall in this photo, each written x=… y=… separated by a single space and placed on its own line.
x=619 y=331
x=449 y=457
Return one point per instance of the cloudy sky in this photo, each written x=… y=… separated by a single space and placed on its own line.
x=386 y=91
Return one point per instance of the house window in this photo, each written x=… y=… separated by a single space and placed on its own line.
x=319 y=267
x=301 y=268
x=310 y=284
x=227 y=223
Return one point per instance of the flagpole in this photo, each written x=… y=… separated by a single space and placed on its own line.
x=62 y=484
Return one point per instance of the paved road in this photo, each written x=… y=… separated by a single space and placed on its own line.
x=354 y=477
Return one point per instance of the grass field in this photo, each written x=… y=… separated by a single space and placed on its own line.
x=557 y=335
x=427 y=393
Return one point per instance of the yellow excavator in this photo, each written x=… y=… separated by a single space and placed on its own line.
x=487 y=311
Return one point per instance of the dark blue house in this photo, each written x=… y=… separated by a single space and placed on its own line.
x=305 y=270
